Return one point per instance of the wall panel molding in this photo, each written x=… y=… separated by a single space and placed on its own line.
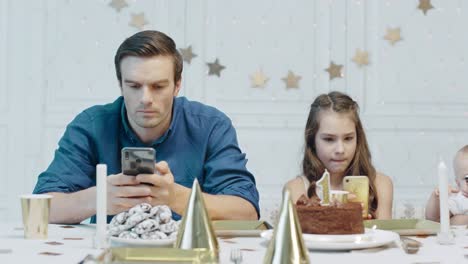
x=4 y=54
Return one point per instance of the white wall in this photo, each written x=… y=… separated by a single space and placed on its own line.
x=56 y=58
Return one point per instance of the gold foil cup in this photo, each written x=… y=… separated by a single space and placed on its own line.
x=287 y=244
x=35 y=210
x=196 y=230
x=339 y=196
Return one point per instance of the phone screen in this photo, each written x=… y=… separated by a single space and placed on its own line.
x=138 y=161
x=359 y=186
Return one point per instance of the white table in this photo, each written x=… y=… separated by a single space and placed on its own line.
x=72 y=251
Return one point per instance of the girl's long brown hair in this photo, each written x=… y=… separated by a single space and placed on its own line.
x=361 y=164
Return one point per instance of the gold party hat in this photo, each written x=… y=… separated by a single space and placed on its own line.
x=196 y=230
x=287 y=244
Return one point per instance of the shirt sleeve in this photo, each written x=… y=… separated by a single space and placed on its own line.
x=72 y=168
x=225 y=166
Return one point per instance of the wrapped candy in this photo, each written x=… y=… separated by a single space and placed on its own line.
x=154 y=235
x=144 y=222
x=136 y=218
x=164 y=214
x=140 y=208
x=128 y=234
x=119 y=219
x=146 y=226
x=169 y=227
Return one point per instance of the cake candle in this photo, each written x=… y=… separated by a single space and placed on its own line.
x=323 y=188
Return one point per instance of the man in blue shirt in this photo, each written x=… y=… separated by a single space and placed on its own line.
x=191 y=140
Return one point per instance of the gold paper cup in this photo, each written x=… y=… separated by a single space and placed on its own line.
x=339 y=196
x=35 y=209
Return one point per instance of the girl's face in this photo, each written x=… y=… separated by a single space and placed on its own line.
x=335 y=141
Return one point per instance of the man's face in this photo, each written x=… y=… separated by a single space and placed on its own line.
x=148 y=89
x=335 y=141
x=461 y=169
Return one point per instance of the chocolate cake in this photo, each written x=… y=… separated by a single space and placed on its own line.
x=334 y=219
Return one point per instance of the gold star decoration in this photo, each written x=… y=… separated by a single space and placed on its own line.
x=258 y=79
x=187 y=54
x=215 y=68
x=292 y=80
x=118 y=4
x=425 y=5
x=361 y=58
x=138 y=21
x=334 y=70
x=393 y=35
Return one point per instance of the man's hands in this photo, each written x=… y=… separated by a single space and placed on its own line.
x=124 y=192
x=162 y=185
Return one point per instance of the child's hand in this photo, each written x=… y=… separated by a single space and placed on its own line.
x=450 y=190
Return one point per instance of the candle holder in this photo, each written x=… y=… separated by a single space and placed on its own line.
x=445 y=238
x=100 y=243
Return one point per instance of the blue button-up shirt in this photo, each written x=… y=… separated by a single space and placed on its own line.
x=200 y=143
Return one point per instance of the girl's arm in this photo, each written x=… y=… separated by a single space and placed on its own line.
x=384 y=192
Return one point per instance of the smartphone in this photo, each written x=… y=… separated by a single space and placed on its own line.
x=138 y=161
x=359 y=186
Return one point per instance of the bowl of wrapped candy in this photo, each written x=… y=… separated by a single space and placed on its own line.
x=143 y=226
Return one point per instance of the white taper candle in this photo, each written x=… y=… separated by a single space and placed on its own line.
x=101 y=206
x=444 y=236
x=443 y=198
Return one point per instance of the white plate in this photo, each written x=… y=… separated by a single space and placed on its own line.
x=127 y=242
x=371 y=238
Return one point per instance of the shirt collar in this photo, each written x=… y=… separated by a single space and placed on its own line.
x=134 y=138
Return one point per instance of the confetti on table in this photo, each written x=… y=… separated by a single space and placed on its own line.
x=46 y=253
x=228 y=241
x=53 y=243
x=67 y=226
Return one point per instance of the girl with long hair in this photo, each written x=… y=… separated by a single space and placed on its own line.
x=335 y=140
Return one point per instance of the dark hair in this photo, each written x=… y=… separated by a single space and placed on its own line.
x=361 y=164
x=149 y=43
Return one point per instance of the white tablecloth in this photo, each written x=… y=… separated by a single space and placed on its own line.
x=15 y=249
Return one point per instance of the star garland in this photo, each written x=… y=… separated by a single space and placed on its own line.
x=425 y=5
x=138 y=21
x=215 y=68
x=334 y=70
x=393 y=35
x=259 y=79
x=291 y=80
x=118 y=4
